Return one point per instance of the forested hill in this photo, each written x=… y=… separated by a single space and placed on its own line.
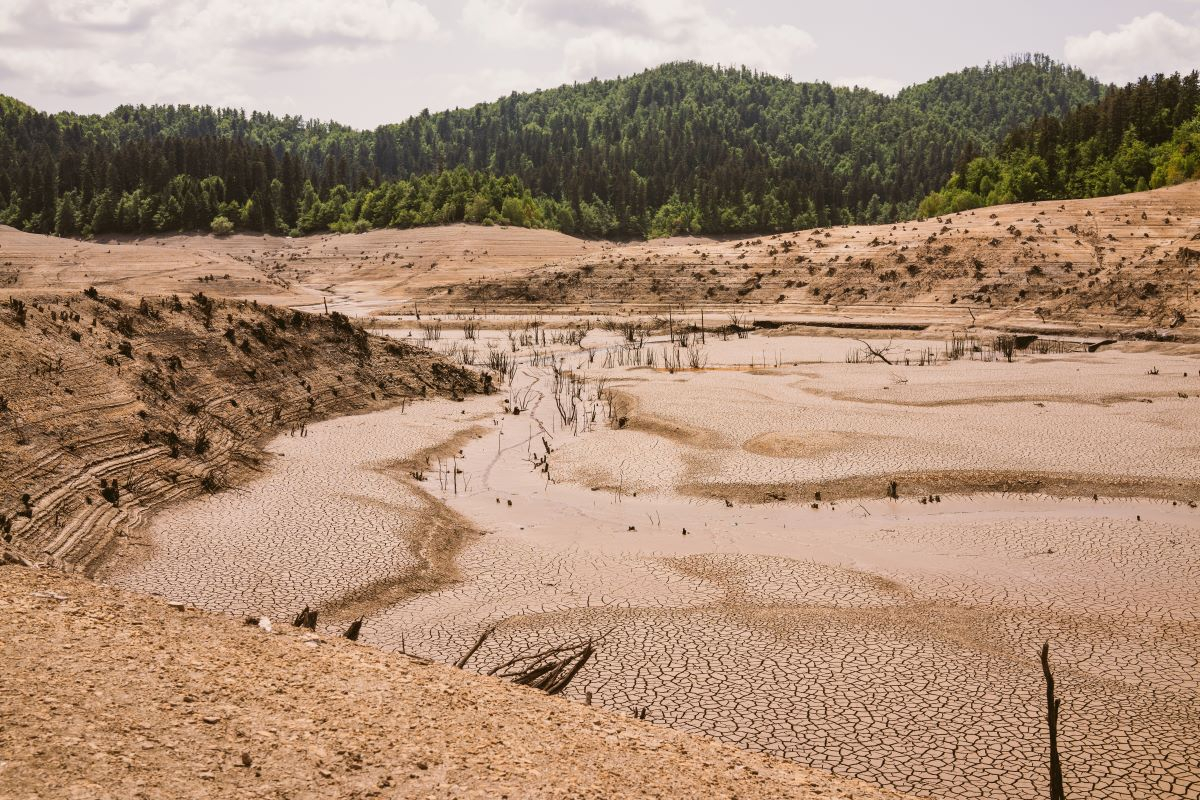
x=1145 y=135
x=679 y=148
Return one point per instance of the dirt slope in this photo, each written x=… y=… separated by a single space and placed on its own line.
x=1129 y=259
x=110 y=408
x=31 y=263
x=1133 y=258
x=114 y=695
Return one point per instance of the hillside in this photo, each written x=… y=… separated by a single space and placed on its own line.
x=111 y=407
x=1145 y=135
x=1129 y=259
x=678 y=148
x=1082 y=261
x=163 y=703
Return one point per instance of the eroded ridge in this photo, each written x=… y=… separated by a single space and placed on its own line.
x=112 y=407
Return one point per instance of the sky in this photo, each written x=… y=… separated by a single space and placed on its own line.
x=368 y=62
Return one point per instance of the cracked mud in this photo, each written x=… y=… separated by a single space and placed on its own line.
x=892 y=640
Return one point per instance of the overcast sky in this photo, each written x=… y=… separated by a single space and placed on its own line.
x=365 y=62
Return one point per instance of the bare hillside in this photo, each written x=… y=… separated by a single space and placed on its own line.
x=358 y=270
x=1131 y=258
x=110 y=407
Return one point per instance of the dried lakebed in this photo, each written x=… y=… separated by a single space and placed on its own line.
x=890 y=640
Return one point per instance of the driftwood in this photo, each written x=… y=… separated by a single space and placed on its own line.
x=876 y=353
x=550 y=670
x=462 y=662
x=1052 y=705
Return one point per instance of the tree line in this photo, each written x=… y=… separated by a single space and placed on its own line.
x=682 y=148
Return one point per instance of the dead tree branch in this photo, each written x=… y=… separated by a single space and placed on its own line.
x=1052 y=706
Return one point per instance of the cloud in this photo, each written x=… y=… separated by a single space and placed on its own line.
x=888 y=86
x=114 y=15
x=609 y=37
x=349 y=24
x=1147 y=44
x=465 y=89
x=192 y=50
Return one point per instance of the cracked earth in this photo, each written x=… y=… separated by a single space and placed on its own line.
x=732 y=548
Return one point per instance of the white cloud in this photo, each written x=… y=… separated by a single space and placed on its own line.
x=192 y=50
x=1147 y=44
x=608 y=37
x=350 y=24
x=103 y=14
x=888 y=86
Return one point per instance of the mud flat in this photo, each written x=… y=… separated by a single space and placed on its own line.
x=333 y=525
x=725 y=533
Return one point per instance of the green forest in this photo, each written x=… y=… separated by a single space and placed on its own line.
x=1142 y=136
x=682 y=148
